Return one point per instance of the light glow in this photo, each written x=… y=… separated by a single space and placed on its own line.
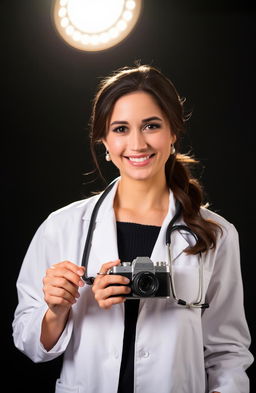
x=94 y=25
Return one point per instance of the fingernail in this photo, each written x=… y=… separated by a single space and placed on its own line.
x=126 y=280
x=80 y=272
x=81 y=282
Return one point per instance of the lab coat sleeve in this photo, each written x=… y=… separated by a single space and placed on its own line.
x=42 y=253
x=225 y=330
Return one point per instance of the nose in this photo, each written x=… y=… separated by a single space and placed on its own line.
x=137 y=140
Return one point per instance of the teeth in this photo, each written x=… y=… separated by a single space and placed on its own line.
x=141 y=159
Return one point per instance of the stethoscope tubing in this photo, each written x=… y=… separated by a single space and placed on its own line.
x=170 y=229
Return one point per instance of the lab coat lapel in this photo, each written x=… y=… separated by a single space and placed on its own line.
x=104 y=244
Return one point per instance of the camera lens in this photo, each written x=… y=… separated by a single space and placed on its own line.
x=145 y=284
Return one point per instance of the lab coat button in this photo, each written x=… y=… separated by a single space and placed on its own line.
x=116 y=355
x=144 y=354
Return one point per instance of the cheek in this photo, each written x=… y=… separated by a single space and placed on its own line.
x=166 y=149
x=163 y=144
x=115 y=145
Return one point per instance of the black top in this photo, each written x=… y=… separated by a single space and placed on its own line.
x=134 y=240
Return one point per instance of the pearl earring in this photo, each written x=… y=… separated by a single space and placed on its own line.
x=172 y=149
x=107 y=156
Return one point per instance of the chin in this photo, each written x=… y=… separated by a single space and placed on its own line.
x=140 y=176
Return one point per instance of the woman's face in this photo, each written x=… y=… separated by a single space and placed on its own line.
x=139 y=137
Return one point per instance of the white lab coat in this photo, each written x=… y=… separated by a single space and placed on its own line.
x=177 y=350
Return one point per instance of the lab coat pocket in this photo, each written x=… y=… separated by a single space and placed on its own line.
x=63 y=388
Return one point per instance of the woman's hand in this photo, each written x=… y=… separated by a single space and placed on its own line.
x=60 y=285
x=104 y=286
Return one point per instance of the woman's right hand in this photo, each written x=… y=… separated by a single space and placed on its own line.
x=104 y=286
x=60 y=285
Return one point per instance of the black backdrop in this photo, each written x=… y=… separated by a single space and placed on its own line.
x=206 y=48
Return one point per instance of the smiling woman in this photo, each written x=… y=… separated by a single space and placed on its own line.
x=122 y=104
x=116 y=339
x=139 y=138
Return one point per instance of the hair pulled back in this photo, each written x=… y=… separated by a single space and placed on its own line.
x=179 y=178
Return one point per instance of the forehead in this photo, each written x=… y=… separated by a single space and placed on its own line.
x=138 y=103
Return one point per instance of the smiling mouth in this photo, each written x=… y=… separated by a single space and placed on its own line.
x=140 y=159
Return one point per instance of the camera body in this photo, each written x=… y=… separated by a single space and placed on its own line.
x=147 y=279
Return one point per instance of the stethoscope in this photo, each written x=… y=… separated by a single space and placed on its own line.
x=170 y=229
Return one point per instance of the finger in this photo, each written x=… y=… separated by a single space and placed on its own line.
x=103 y=294
x=105 y=269
x=67 y=275
x=60 y=270
x=58 y=296
x=111 y=279
x=116 y=291
x=70 y=266
x=60 y=282
x=106 y=266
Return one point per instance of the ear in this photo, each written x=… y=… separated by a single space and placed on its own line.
x=174 y=138
x=104 y=143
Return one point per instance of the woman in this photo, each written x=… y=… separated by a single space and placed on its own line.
x=146 y=344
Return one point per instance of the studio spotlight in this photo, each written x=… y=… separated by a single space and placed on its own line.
x=94 y=25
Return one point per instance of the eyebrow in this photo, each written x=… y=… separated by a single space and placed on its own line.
x=143 y=121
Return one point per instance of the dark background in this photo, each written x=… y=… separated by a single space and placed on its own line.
x=206 y=48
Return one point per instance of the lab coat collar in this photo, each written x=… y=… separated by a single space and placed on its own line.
x=105 y=239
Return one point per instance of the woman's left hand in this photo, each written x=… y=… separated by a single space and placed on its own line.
x=110 y=289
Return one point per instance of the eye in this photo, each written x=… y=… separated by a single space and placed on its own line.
x=120 y=129
x=152 y=126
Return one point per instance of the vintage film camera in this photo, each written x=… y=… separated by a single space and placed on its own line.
x=146 y=278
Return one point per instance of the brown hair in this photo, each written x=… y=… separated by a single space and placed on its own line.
x=185 y=187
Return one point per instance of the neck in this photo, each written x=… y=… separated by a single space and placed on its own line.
x=143 y=195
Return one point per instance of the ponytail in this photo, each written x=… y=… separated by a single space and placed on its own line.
x=188 y=191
